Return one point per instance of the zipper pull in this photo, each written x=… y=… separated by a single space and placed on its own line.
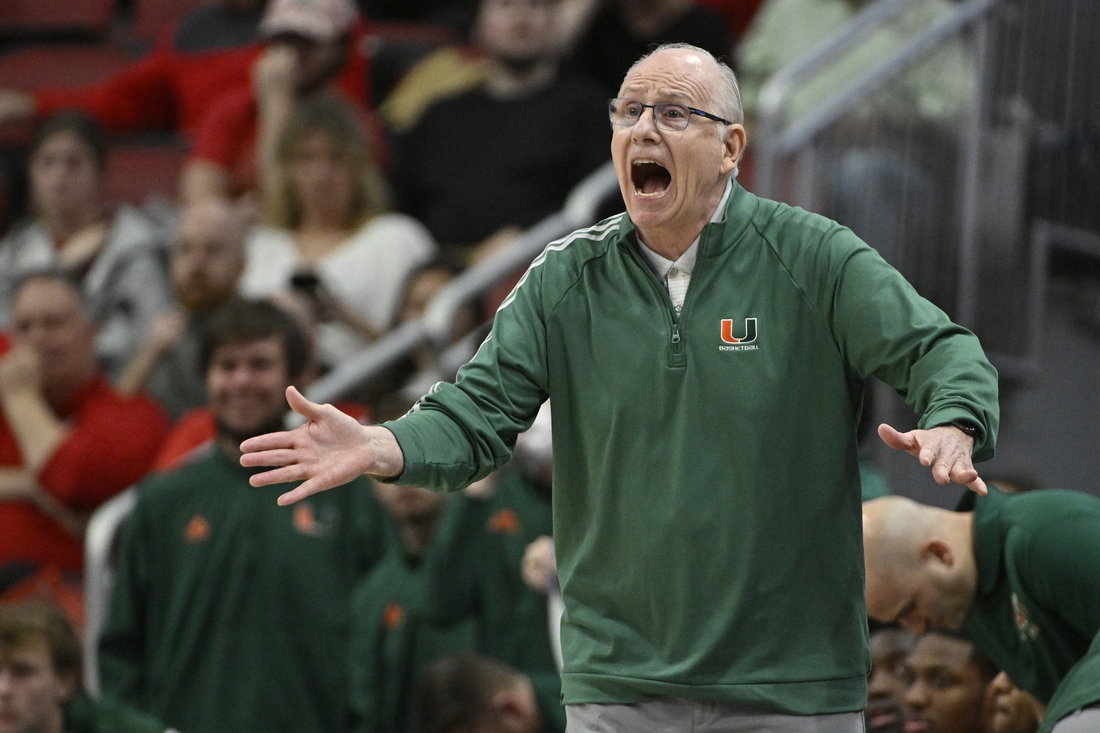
x=675 y=333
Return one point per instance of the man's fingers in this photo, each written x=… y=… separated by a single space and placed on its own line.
x=267 y=442
x=305 y=408
x=283 y=475
x=306 y=489
x=978 y=486
x=274 y=457
x=896 y=440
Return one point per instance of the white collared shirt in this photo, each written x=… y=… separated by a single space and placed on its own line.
x=676 y=275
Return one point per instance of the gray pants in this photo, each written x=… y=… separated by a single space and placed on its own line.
x=1085 y=720
x=677 y=715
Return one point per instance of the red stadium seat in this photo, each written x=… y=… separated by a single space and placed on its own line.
x=36 y=67
x=38 y=17
x=153 y=17
x=138 y=171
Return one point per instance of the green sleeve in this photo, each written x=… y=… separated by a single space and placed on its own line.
x=121 y=645
x=1061 y=560
x=461 y=432
x=885 y=328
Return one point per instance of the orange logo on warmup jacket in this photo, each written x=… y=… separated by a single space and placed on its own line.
x=392 y=616
x=505 y=521
x=197 y=530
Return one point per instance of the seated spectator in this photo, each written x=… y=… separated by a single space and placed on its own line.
x=68 y=441
x=116 y=254
x=948 y=679
x=1014 y=710
x=170 y=88
x=479 y=166
x=393 y=635
x=206 y=261
x=40 y=666
x=617 y=33
x=230 y=613
x=887 y=683
x=313 y=46
x=331 y=237
x=467 y=693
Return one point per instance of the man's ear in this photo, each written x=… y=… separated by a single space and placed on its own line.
x=938 y=550
x=68 y=684
x=735 y=148
x=515 y=711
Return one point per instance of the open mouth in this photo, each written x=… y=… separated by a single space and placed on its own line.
x=649 y=177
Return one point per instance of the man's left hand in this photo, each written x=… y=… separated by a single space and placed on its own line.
x=945 y=448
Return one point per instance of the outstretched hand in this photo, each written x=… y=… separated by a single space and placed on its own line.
x=945 y=448
x=329 y=449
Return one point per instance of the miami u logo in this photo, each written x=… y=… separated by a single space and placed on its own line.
x=750 y=331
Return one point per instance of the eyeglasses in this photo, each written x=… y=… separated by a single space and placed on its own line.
x=672 y=117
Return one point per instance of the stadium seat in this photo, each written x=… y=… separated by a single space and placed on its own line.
x=36 y=18
x=137 y=171
x=154 y=17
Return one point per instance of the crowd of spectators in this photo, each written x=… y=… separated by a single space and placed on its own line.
x=316 y=213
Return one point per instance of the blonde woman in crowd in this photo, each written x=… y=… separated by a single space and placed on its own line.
x=329 y=235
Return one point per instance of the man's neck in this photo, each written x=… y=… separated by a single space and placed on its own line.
x=671 y=242
x=417 y=534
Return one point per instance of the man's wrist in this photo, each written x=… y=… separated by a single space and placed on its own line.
x=968 y=427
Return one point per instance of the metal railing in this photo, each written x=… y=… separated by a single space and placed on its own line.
x=434 y=328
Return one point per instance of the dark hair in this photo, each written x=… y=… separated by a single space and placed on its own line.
x=986 y=668
x=30 y=620
x=455 y=693
x=79 y=124
x=239 y=321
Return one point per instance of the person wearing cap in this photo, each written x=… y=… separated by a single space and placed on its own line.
x=1017 y=574
x=313 y=46
x=704 y=354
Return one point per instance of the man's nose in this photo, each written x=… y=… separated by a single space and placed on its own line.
x=646 y=126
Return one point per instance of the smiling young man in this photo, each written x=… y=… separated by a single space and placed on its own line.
x=231 y=613
x=704 y=354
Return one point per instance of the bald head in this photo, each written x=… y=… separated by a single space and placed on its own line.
x=921 y=571
x=208 y=255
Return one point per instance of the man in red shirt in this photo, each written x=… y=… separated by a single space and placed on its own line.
x=314 y=46
x=68 y=441
x=170 y=88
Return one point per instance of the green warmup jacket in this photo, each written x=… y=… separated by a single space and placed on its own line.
x=706 y=485
x=85 y=715
x=479 y=574
x=393 y=637
x=1037 y=610
x=230 y=613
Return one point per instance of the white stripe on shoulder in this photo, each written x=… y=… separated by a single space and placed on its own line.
x=596 y=233
x=431 y=390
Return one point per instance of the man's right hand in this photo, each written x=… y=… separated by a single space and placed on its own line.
x=329 y=449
